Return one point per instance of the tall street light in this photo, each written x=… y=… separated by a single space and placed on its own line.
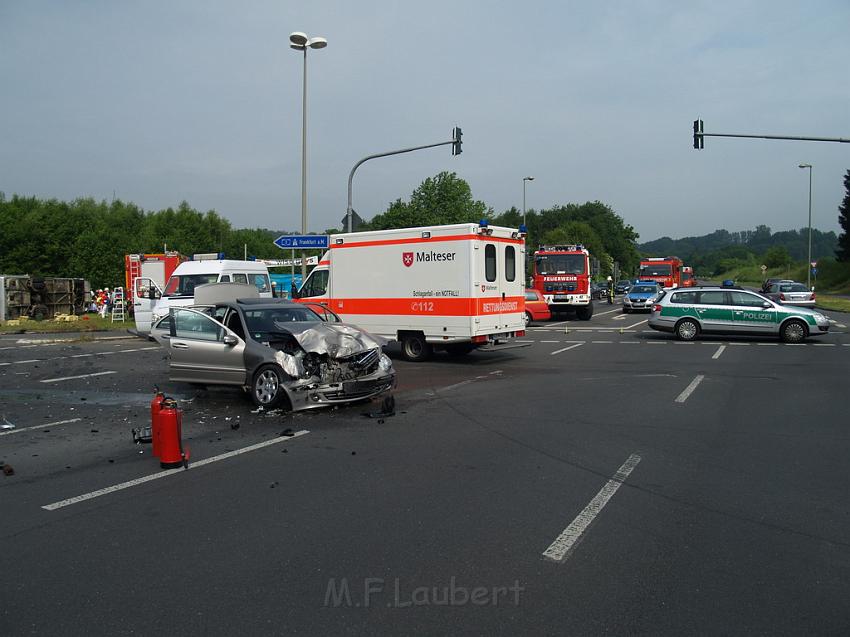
x=809 y=263
x=524 y=179
x=300 y=42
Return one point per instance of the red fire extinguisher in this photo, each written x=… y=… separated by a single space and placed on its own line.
x=156 y=407
x=171 y=452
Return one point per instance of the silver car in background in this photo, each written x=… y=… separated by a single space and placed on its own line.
x=791 y=293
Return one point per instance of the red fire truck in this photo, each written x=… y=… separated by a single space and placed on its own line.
x=688 y=280
x=562 y=274
x=666 y=270
x=157 y=267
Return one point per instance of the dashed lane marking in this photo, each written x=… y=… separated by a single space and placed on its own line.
x=47 y=424
x=690 y=389
x=59 y=380
x=560 y=548
x=59 y=358
x=170 y=472
x=564 y=349
x=718 y=353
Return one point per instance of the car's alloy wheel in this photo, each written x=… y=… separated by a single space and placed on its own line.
x=527 y=318
x=266 y=390
x=687 y=330
x=793 y=332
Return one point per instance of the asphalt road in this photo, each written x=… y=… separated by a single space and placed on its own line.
x=675 y=489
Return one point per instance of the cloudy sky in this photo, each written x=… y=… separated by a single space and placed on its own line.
x=160 y=101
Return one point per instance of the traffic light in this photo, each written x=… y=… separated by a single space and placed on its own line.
x=457 y=137
x=698 y=138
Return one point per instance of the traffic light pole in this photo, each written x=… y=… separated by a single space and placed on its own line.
x=699 y=136
x=455 y=142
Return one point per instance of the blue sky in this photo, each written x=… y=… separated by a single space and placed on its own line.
x=200 y=100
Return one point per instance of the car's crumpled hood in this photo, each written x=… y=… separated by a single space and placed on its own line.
x=334 y=339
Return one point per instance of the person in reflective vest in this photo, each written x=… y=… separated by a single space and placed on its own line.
x=610 y=290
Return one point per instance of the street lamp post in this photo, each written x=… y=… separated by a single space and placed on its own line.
x=524 y=179
x=809 y=262
x=300 y=42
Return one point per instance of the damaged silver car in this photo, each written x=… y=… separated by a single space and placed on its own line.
x=281 y=352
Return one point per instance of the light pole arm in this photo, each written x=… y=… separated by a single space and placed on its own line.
x=349 y=209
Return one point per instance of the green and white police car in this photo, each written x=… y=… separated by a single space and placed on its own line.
x=688 y=312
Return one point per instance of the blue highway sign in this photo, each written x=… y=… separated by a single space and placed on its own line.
x=302 y=242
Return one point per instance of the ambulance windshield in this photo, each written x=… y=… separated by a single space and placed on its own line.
x=185 y=285
x=560 y=264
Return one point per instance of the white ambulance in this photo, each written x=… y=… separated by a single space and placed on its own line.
x=152 y=303
x=454 y=287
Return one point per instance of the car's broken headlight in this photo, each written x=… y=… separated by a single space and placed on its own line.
x=385 y=364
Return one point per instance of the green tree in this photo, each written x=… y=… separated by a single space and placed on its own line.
x=776 y=257
x=843 y=251
x=443 y=199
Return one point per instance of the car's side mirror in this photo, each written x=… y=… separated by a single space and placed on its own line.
x=229 y=339
x=766 y=305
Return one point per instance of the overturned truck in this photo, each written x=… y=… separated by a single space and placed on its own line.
x=41 y=297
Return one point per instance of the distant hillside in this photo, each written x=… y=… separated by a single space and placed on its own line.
x=757 y=241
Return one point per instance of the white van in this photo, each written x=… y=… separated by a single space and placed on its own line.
x=150 y=302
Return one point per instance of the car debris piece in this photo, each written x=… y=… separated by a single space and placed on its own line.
x=142 y=435
x=8 y=470
x=387 y=410
x=6 y=425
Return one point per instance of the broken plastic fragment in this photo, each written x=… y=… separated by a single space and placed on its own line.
x=291 y=364
x=6 y=424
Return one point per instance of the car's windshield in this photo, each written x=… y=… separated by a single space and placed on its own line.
x=265 y=320
x=793 y=287
x=644 y=289
x=626 y=283
x=656 y=269
x=184 y=285
x=560 y=264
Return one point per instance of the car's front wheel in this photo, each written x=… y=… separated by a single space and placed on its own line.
x=267 y=388
x=687 y=330
x=793 y=332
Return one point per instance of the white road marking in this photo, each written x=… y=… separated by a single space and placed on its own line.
x=841 y=325
x=519 y=341
x=564 y=349
x=169 y=472
x=630 y=342
x=689 y=389
x=550 y=341
x=47 y=424
x=656 y=342
x=59 y=358
x=562 y=545
x=681 y=343
x=636 y=324
x=767 y=344
x=608 y=312
x=742 y=344
x=719 y=351
x=57 y=380
x=601 y=341
x=460 y=384
x=620 y=318
x=824 y=344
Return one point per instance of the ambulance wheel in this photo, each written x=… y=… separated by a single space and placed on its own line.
x=527 y=318
x=793 y=332
x=584 y=313
x=267 y=387
x=459 y=349
x=414 y=348
x=687 y=330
